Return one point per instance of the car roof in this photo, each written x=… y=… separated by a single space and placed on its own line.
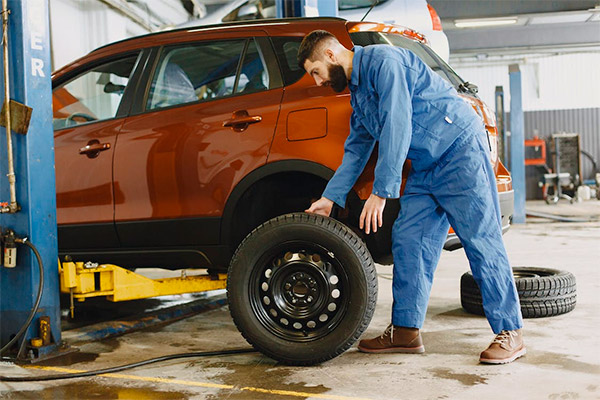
x=263 y=23
x=273 y=27
x=295 y=26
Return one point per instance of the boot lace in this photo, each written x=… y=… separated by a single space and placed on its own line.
x=505 y=338
x=389 y=331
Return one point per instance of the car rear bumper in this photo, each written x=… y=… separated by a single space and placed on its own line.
x=507 y=207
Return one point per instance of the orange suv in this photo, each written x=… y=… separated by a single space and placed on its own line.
x=172 y=147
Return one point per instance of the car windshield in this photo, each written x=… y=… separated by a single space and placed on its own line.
x=353 y=4
x=434 y=62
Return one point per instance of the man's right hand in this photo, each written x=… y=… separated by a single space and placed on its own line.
x=322 y=207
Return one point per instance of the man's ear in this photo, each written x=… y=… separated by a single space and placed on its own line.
x=330 y=56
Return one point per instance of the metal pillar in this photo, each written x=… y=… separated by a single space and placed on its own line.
x=290 y=8
x=517 y=143
x=30 y=84
x=501 y=126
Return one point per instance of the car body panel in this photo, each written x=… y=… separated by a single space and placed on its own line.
x=168 y=190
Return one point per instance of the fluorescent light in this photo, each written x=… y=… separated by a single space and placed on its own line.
x=475 y=23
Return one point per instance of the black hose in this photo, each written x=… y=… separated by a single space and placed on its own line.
x=37 y=300
x=123 y=367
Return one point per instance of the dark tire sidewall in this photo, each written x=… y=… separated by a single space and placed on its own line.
x=333 y=236
x=545 y=292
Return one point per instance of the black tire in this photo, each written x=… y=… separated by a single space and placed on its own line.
x=543 y=292
x=302 y=288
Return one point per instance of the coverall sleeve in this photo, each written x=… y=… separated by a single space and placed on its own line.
x=357 y=150
x=395 y=115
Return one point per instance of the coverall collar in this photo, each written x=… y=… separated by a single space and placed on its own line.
x=355 y=66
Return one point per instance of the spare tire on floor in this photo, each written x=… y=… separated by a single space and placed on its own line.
x=543 y=292
x=302 y=288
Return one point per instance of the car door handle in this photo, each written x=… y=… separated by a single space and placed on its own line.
x=240 y=120
x=93 y=148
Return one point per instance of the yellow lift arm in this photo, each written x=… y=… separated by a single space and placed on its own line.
x=80 y=280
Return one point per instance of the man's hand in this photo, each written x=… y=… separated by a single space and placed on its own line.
x=372 y=214
x=322 y=207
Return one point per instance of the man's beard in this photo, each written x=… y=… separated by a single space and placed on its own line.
x=337 y=78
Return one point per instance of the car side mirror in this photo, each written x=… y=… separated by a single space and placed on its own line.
x=472 y=87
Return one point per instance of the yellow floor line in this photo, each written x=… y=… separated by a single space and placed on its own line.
x=204 y=384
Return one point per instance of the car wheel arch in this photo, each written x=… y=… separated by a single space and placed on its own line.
x=316 y=174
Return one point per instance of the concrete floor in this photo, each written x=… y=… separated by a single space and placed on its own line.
x=563 y=360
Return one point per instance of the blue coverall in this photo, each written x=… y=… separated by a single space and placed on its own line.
x=413 y=113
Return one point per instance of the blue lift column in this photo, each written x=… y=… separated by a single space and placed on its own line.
x=30 y=84
x=517 y=142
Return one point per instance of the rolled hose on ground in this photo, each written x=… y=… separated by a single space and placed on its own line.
x=123 y=367
x=34 y=310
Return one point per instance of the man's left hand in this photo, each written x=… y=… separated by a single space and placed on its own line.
x=372 y=214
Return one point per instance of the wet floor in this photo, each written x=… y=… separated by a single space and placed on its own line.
x=562 y=362
x=100 y=391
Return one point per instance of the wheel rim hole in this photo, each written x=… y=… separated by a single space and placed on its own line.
x=300 y=289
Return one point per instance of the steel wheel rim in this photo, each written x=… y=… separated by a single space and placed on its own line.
x=299 y=291
x=531 y=274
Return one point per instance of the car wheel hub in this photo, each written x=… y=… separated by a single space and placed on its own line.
x=301 y=294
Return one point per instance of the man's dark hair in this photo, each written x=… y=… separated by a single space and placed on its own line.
x=310 y=43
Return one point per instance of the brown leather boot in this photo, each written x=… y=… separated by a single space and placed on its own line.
x=506 y=347
x=395 y=339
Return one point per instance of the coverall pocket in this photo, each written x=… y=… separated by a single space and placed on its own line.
x=465 y=170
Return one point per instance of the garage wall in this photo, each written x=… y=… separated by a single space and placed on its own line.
x=584 y=121
x=561 y=93
x=550 y=82
x=80 y=26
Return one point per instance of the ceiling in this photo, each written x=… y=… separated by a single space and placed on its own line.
x=456 y=9
x=535 y=26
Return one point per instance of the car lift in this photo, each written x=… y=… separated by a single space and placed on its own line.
x=84 y=280
x=29 y=213
x=29 y=286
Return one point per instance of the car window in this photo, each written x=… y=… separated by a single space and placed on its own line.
x=286 y=49
x=253 y=75
x=92 y=96
x=207 y=71
x=422 y=51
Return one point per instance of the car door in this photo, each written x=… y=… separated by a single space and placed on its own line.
x=207 y=119
x=88 y=108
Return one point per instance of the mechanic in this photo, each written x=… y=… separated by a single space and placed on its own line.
x=399 y=102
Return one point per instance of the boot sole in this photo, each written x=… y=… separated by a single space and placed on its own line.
x=405 y=350
x=518 y=354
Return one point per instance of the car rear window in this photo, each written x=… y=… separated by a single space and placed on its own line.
x=422 y=51
x=286 y=49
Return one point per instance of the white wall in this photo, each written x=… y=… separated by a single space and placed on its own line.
x=550 y=82
x=80 y=26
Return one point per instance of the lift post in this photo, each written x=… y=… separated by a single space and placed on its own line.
x=517 y=142
x=30 y=84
